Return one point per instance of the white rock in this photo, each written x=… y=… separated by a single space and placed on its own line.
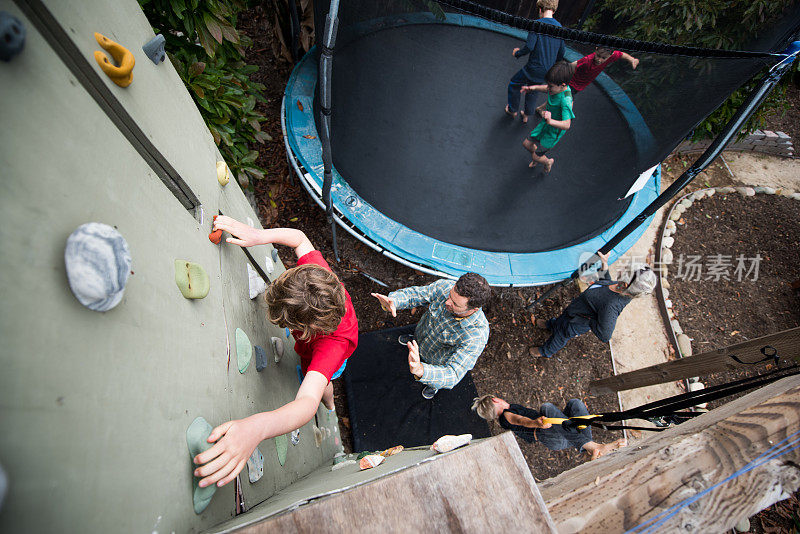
x=746 y=191
x=686 y=203
x=679 y=209
x=671 y=225
x=667 y=242
x=694 y=379
x=795 y=196
x=743 y=525
x=666 y=257
x=696 y=386
x=726 y=190
x=676 y=327
x=787 y=193
x=685 y=345
x=664 y=283
x=710 y=192
x=674 y=216
x=698 y=195
x=665 y=291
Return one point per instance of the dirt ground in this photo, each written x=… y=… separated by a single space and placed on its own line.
x=506 y=368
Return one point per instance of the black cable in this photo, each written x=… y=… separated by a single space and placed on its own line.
x=598 y=39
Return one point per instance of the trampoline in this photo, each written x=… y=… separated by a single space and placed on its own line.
x=429 y=170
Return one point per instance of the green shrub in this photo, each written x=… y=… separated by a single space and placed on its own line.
x=205 y=48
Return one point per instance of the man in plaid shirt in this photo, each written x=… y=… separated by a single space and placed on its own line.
x=450 y=335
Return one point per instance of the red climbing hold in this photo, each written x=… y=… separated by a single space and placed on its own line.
x=215 y=236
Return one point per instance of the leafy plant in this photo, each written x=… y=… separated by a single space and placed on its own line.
x=722 y=24
x=207 y=51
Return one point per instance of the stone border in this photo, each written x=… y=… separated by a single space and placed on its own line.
x=680 y=341
x=763 y=141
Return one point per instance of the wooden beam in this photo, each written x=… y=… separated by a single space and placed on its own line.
x=486 y=487
x=787 y=344
x=698 y=460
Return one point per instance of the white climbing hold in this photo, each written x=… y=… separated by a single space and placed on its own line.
x=317 y=436
x=685 y=345
x=667 y=242
x=295 y=438
x=255 y=282
x=277 y=348
x=448 y=443
x=270 y=264
x=698 y=386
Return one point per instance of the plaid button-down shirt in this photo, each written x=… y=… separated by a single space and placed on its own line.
x=449 y=346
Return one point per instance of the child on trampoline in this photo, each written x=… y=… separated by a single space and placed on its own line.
x=311 y=301
x=556 y=114
x=589 y=67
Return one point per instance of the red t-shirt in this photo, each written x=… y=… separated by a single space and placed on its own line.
x=327 y=352
x=586 y=70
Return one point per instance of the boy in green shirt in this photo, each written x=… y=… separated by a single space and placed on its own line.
x=556 y=113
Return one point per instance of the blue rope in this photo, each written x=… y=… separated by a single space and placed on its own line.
x=773 y=452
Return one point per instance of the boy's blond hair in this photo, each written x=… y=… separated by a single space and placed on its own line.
x=308 y=298
x=484 y=406
x=545 y=5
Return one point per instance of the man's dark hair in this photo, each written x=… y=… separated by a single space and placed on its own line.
x=475 y=288
x=560 y=73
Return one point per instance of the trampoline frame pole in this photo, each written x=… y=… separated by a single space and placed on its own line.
x=754 y=99
x=324 y=84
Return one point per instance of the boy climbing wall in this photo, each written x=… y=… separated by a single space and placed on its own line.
x=311 y=301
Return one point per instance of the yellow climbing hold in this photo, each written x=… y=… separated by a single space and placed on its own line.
x=122 y=73
x=191 y=279
x=223 y=173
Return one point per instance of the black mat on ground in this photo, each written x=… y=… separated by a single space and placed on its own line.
x=386 y=404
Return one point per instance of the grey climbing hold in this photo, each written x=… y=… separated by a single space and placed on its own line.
x=295 y=439
x=261 y=358
x=154 y=49
x=98 y=264
x=270 y=265
x=275 y=257
x=255 y=466
x=12 y=36
x=197 y=441
x=277 y=348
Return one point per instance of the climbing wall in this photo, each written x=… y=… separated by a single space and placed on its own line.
x=95 y=405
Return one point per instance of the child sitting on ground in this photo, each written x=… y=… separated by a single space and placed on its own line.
x=589 y=67
x=556 y=113
x=311 y=301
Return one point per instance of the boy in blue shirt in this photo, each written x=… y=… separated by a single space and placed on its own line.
x=556 y=113
x=544 y=52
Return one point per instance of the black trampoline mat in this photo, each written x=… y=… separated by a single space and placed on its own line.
x=386 y=404
x=419 y=132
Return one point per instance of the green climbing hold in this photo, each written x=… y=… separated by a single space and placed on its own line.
x=197 y=440
x=282 y=447
x=191 y=279
x=244 y=350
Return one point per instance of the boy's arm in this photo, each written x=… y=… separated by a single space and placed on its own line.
x=530 y=44
x=526 y=88
x=247 y=236
x=236 y=440
x=561 y=125
x=630 y=59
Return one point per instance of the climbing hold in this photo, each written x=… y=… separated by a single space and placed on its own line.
x=121 y=75
x=299 y=374
x=336 y=440
x=244 y=350
x=275 y=257
x=448 y=443
x=191 y=279
x=223 y=173
x=281 y=447
x=98 y=264
x=12 y=36
x=295 y=439
x=197 y=441
x=277 y=348
x=391 y=451
x=317 y=436
x=261 y=358
x=288 y=333
x=269 y=263
x=256 y=284
x=216 y=235
x=343 y=463
x=154 y=49
x=255 y=466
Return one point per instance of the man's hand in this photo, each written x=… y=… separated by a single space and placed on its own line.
x=235 y=442
x=514 y=52
x=414 y=363
x=244 y=235
x=540 y=422
x=386 y=303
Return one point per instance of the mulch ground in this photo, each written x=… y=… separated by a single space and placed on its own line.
x=506 y=368
x=717 y=313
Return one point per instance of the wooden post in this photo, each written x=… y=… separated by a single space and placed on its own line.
x=786 y=343
x=688 y=476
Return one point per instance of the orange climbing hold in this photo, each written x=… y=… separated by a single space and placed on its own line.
x=215 y=236
x=122 y=73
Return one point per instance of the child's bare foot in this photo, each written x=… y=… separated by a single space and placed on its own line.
x=549 y=164
x=509 y=112
x=596 y=450
x=524 y=117
x=533 y=164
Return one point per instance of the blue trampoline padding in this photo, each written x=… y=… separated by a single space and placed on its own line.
x=499 y=268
